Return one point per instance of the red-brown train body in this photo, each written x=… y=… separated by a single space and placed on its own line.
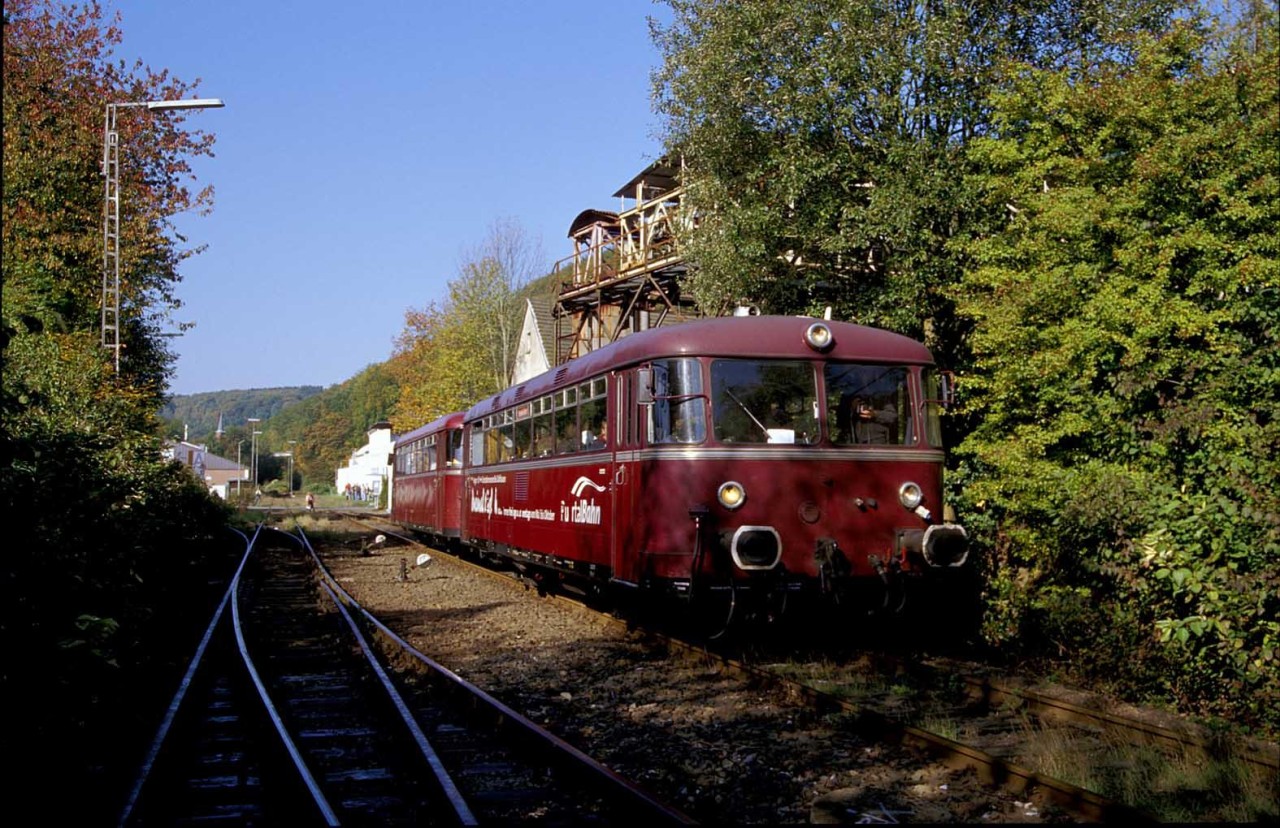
x=758 y=456
x=427 y=489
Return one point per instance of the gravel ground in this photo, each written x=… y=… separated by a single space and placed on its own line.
x=713 y=745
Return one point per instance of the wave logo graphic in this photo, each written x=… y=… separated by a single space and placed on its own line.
x=581 y=484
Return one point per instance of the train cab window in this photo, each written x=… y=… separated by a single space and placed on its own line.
x=869 y=405
x=566 y=418
x=678 y=413
x=764 y=401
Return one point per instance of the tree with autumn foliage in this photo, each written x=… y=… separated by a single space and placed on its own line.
x=108 y=542
x=452 y=354
x=58 y=77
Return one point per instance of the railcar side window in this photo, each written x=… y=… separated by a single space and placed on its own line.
x=479 y=433
x=522 y=440
x=544 y=443
x=507 y=436
x=567 y=421
x=869 y=404
x=592 y=410
x=678 y=413
x=432 y=457
x=765 y=401
x=932 y=409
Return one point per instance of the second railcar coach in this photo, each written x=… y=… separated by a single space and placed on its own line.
x=427 y=492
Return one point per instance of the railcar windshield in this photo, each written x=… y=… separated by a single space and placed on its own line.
x=767 y=401
x=869 y=404
x=679 y=410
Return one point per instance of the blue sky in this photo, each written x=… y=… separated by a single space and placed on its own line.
x=365 y=149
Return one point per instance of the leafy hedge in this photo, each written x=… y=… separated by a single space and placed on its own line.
x=1126 y=372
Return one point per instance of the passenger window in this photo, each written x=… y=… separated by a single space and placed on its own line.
x=595 y=426
x=567 y=429
x=544 y=443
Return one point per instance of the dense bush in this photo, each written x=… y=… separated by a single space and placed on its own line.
x=1126 y=372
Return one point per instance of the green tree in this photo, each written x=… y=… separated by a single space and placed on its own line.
x=328 y=425
x=109 y=544
x=1126 y=368
x=824 y=142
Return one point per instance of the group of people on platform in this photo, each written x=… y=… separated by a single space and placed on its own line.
x=358 y=494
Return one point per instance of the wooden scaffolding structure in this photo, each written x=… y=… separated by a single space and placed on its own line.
x=626 y=269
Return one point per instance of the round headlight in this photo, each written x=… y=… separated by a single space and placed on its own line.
x=910 y=495
x=731 y=495
x=819 y=336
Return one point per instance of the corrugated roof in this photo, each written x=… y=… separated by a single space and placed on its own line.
x=661 y=176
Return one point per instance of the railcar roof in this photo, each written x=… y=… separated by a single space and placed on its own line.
x=453 y=420
x=775 y=337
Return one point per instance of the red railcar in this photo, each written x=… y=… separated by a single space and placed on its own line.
x=754 y=456
x=427 y=491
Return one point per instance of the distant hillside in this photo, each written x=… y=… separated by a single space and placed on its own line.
x=199 y=412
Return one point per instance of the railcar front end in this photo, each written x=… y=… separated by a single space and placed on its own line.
x=817 y=473
x=752 y=457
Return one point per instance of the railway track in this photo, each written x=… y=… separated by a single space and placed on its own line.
x=289 y=714
x=989 y=722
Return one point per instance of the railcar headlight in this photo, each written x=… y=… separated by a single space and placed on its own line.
x=819 y=336
x=910 y=495
x=731 y=494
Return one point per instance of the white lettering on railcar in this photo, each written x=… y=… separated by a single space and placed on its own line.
x=581 y=511
x=485 y=502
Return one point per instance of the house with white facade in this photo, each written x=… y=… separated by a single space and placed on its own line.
x=369 y=466
x=537 y=336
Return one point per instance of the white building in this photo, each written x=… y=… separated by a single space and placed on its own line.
x=370 y=465
x=537 y=336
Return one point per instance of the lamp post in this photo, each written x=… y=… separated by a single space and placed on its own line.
x=239 y=482
x=253 y=450
x=292 y=449
x=111 y=213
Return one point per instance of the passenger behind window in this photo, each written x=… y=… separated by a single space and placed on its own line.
x=596 y=439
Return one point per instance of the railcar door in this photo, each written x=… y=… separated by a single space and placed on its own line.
x=626 y=468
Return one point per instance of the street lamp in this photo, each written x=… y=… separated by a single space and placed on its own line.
x=239 y=465
x=111 y=213
x=292 y=449
x=253 y=450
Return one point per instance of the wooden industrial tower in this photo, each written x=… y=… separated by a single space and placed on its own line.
x=626 y=271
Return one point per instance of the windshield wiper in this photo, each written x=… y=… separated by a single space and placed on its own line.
x=743 y=406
